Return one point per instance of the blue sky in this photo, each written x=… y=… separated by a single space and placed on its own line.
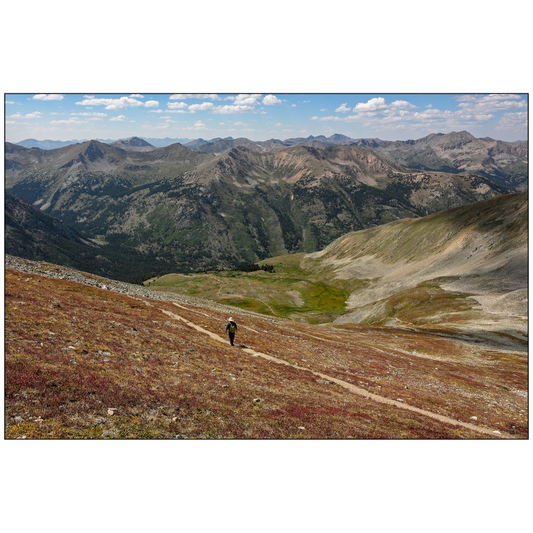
x=263 y=116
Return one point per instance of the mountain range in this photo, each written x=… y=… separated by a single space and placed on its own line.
x=503 y=162
x=49 y=144
x=506 y=163
x=202 y=210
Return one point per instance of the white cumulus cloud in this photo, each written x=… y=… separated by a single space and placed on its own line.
x=372 y=105
x=198 y=125
x=92 y=114
x=514 y=121
x=246 y=99
x=487 y=97
x=115 y=104
x=119 y=118
x=200 y=107
x=490 y=103
x=69 y=122
x=270 y=99
x=195 y=96
x=35 y=114
x=48 y=97
x=177 y=105
x=324 y=119
x=402 y=104
x=232 y=109
x=343 y=108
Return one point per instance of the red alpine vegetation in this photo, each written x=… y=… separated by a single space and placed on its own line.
x=85 y=362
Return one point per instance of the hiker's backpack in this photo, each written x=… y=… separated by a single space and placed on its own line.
x=232 y=327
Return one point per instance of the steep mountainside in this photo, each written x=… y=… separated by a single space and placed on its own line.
x=504 y=162
x=21 y=217
x=202 y=211
x=33 y=234
x=463 y=266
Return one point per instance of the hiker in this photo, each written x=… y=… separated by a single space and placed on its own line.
x=231 y=328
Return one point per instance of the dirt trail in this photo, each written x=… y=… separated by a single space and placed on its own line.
x=349 y=386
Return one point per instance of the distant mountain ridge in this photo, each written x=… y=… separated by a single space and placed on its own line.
x=134 y=144
x=459 y=152
x=52 y=145
x=47 y=144
x=506 y=163
x=204 y=211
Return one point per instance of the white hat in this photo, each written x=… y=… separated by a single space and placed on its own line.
x=230 y=319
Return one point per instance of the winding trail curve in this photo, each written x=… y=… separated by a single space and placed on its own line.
x=346 y=385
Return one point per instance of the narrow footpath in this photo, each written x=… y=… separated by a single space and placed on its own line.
x=348 y=386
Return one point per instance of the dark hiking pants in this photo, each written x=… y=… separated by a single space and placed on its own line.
x=231 y=337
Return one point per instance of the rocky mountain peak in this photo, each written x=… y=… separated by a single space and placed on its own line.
x=136 y=141
x=93 y=151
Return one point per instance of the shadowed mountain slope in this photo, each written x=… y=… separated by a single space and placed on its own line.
x=32 y=234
